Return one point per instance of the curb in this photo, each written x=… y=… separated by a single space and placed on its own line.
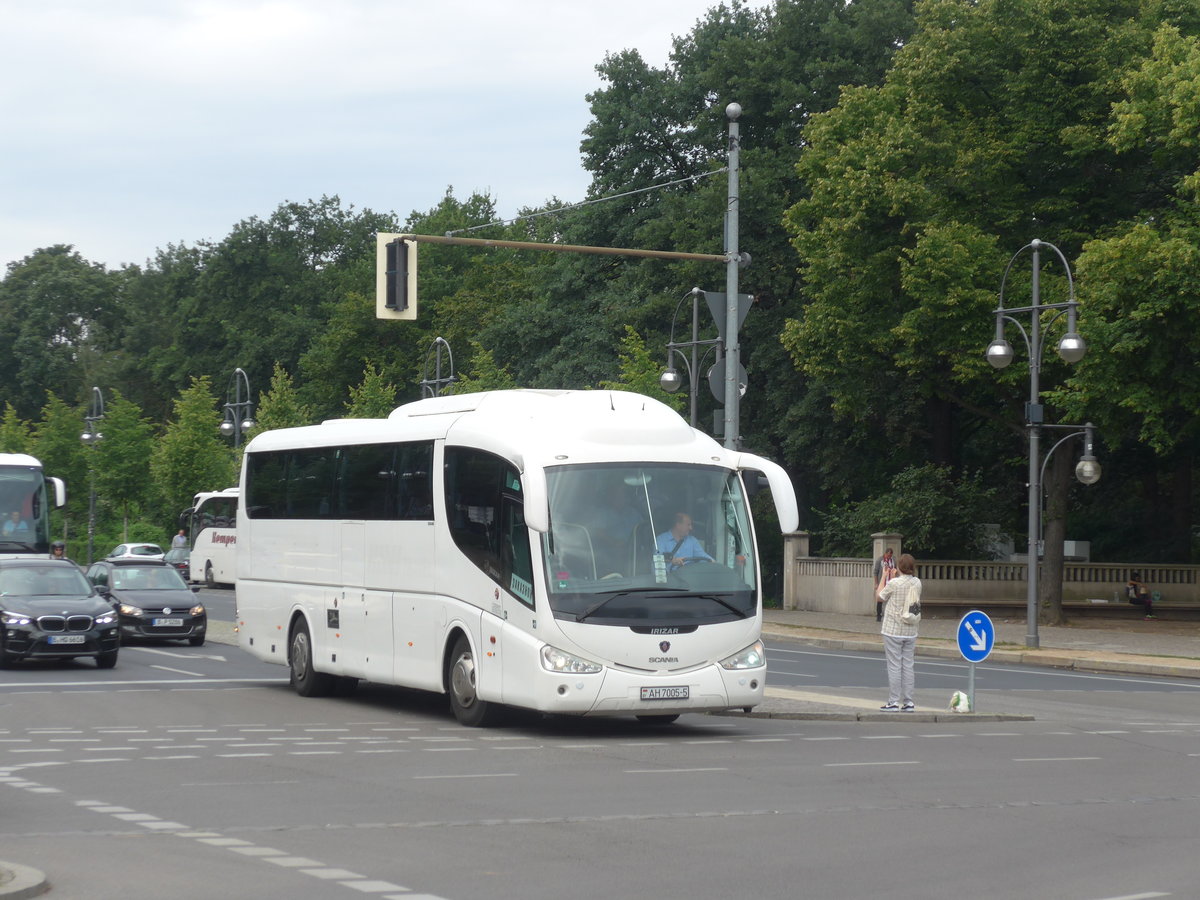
x=17 y=881
x=1050 y=658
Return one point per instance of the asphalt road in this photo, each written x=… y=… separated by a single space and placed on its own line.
x=189 y=776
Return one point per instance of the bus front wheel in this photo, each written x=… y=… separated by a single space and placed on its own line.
x=306 y=680
x=463 y=688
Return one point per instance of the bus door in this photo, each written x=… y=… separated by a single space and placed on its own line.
x=519 y=643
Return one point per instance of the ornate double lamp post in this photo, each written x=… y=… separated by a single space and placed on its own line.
x=90 y=437
x=239 y=409
x=671 y=380
x=433 y=387
x=1072 y=349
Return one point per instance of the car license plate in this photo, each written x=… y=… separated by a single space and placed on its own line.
x=66 y=639
x=665 y=693
x=166 y=623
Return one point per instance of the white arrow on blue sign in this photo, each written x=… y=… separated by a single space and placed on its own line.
x=976 y=636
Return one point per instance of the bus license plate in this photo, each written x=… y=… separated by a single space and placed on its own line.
x=665 y=693
x=166 y=623
x=66 y=639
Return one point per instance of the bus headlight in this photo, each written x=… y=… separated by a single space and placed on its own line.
x=753 y=657
x=555 y=660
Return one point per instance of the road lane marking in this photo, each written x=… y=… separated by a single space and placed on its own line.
x=894 y=762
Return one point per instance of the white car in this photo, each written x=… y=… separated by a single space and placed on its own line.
x=136 y=551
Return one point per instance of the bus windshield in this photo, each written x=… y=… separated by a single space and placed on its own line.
x=648 y=543
x=24 y=513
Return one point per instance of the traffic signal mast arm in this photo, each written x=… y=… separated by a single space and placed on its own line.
x=561 y=248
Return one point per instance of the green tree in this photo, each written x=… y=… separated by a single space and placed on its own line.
x=190 y=455
x=55 y=308
x=486 y=375
x=122 y=459
x=640 y=372
x=63 y=455
x=16 y=435
x=984 y=135
x=373 y=398
x=939 y=514
x=280 y=406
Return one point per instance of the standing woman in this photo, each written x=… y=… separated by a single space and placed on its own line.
x=899 y=636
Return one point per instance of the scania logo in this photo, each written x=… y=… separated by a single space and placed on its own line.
x=664 y=646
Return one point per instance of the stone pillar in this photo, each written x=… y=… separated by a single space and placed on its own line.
x=795 y=546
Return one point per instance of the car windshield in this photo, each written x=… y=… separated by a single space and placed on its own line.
x=146 y=578
x=43 y=581
x=145 y=550
x=648 y=543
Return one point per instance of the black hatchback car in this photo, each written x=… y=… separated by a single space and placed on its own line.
x=48 y=610
x=152 y=600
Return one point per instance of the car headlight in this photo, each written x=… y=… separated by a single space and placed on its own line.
x=197 y=610
x=107 y=619
x=556 y=660
x=126 y=610
x=15 y=618
x=752 y=657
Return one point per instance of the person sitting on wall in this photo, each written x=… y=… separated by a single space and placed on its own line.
x=1138 y=594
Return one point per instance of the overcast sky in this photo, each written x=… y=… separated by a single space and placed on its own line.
x=129 y=125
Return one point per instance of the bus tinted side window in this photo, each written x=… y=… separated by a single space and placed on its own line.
x=366 y=481
x=414 y=482
x=372 y=482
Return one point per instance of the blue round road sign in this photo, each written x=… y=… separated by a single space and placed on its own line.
x=976 y=636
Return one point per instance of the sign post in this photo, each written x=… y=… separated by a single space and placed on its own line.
x=976 y=637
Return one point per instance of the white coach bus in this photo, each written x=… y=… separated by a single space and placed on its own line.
x=25 y=497
x=509 y=548
x=211 y=525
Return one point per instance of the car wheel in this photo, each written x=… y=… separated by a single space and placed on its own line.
x=106 y=660
x=197 y=641
x=209 y=581
x=462 y=682
x=306 y=680
x=6 y=661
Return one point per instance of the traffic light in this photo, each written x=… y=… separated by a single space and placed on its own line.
x=395 y=276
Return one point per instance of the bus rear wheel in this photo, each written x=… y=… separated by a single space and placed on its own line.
x=306 y=680
x=463 y=688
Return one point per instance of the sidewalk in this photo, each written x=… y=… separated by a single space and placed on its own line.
x=1130 y=648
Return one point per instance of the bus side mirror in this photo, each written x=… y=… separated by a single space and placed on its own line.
x=537 y=500
x=60 y=492
x=782 y=491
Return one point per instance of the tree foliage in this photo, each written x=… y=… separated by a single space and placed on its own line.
x=894 y=156
x=190 y=456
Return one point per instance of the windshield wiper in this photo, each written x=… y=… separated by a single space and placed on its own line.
x=741 y=613
x=625 y=593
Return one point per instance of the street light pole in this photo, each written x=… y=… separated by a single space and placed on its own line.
x=1000 y=353
x=90 y=438
x=239 y=412
x=733 y=350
